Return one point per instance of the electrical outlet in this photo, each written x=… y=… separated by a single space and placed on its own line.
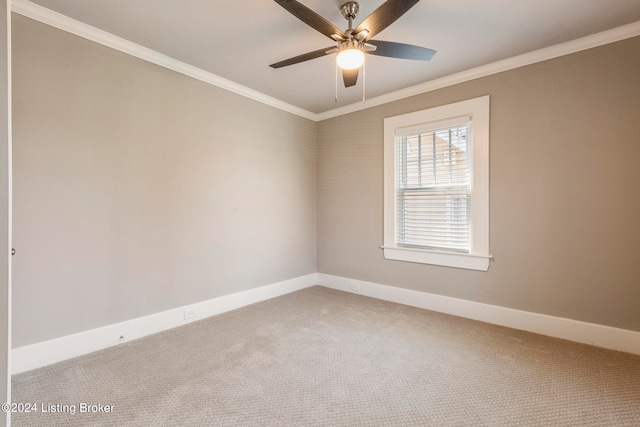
x=355 y=287
x=190 y=313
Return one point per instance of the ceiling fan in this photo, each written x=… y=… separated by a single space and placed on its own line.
x=352 y=44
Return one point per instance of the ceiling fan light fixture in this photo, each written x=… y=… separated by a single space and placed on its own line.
x=350 y=58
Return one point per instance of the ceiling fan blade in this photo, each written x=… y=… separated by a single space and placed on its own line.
x=401 y=50
x=312 y=19
x=304 y=57
x=383 y=16
x=350 y=77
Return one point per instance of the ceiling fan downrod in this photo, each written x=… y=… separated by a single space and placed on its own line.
x=350 y=11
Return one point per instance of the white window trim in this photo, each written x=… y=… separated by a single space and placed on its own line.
x=479 y=256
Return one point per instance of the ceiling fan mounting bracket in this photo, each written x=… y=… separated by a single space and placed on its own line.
x=350 y=10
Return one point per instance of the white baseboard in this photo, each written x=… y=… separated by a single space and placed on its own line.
x=58 y=349
x=558 y=327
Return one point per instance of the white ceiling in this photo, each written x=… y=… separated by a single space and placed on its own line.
x=237 y=40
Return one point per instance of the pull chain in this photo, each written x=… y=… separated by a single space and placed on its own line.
x=364 y=78
x=336 y=79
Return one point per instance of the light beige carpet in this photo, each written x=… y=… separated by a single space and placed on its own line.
x=324 y=357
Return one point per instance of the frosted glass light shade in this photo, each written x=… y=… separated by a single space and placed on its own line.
x=349 y=59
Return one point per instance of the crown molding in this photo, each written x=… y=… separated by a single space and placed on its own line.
x=63 y=22
x=70 y=25
x=544 y=54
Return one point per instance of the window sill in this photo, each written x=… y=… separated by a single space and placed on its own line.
x=446 y=259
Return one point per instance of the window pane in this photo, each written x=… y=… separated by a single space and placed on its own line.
x=433 y=189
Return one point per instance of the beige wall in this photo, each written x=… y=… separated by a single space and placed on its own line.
x=565 y=190
x=4 y=209
x=137 y=189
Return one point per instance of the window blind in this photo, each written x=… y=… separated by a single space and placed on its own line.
x=433 y=187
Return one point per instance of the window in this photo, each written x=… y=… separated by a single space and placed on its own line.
x=436 y=182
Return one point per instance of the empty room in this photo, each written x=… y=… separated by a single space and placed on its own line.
x=306 y=213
